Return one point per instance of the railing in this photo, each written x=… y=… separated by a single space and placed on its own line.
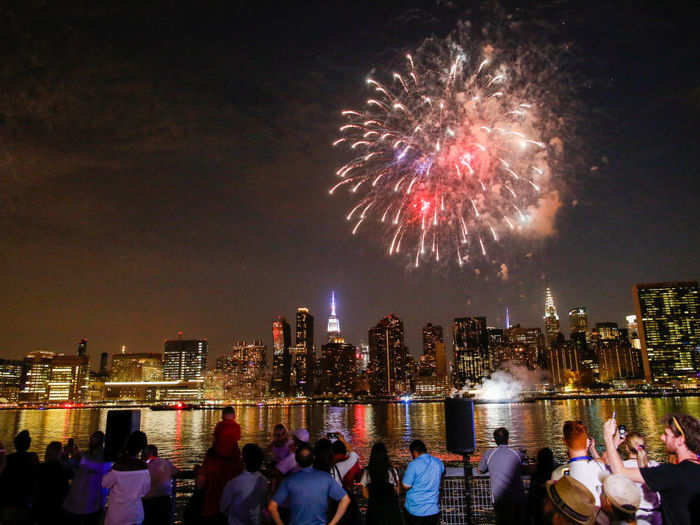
x=452 y=500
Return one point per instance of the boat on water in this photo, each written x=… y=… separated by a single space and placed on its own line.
x=174 y=406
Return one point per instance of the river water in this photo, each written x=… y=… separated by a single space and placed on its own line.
x=184 y=436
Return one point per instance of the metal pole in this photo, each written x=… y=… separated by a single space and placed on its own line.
x=467 y=489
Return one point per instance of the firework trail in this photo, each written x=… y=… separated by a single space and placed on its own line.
x=449 y=154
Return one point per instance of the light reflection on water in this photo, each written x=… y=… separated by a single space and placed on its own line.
x=184 y=436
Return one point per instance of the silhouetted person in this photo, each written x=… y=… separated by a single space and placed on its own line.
x=244 y=496
x=86 y=498
x=17 y=481
x=538 y=482
x=51 y=487
x=158 y=503
x=381 y=487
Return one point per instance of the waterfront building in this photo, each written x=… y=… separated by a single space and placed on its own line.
x=137 y=367
x=104 y=358
x=472 y=361
x=82 y=347
x=281 y=369
x=617 y=360
x=578 y=320
x=305 y=361
x=185 y=359
x=69 y=377
x=565 y=363
x=669 y=328
x=214 y=385
x=388 y=357
x=362 y=357
x=12 y=377
x=333 y=327
x=432 y=336
x=605 y=331
x=244 y=369
x=633 y=331
x=36 y=385
x=154 y=391
x=338 y=368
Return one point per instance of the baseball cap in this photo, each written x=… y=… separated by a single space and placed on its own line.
x=622 y=494
x=302 y=435
x=572 y=499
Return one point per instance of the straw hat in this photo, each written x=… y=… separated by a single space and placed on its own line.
x=572 y=499
x=622 y=493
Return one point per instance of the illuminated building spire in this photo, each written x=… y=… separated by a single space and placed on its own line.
x=333 y=322
x=507 y=318
x=551 y=319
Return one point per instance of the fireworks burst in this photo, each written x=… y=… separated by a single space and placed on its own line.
x=449 y=154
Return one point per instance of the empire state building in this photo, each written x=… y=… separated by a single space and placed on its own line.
x=333 y=322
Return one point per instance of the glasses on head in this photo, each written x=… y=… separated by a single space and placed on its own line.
x=678 y=426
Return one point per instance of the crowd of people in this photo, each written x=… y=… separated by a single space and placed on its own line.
x=295 y=482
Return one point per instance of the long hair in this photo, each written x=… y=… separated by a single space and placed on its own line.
x=379 y=463
x=632 y=443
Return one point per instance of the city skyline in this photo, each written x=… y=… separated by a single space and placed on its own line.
x=147 y=186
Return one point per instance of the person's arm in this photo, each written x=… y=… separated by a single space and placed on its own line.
x=341 y=438
x=226 y=498
x=109 y=480
x=342 y=507
x=274 y=512
x=483 y=467
x=614 y=459
x=409 y=476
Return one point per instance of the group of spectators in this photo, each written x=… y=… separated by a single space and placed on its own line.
x=296 y=482
x=605 y=489
x=71 y=486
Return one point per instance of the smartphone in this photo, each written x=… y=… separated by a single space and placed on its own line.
x=622 y=429
x=333 y=436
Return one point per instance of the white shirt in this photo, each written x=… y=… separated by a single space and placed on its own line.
x=649 y=512
x=591 y=474
x=345 y=465
x=243 y=498
x=126 y=488
x=162 y=472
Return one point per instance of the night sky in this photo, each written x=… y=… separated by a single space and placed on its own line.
x=167 y=168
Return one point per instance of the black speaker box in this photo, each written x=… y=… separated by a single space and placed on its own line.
x=120 y=423
x=459 y=426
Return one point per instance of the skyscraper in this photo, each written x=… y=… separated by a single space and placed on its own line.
x=36 y=385
x=12 y=377
x=82 y=347
x=305 y=342
x=578 y=320
x=432 y=336
x=281 y=341
x=669 y=328
x=244 y=370
x=551 y=319
x=184 y=359
x=333 y=322
x=69 y=377
x=471 y=350
x=136 y=367
x=338 y=368
x=388 y=357
x=633 y=331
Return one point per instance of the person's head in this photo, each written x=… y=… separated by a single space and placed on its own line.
x=545 y=462
x=135 y=443
x=681 y=434
x=379 y=463
x=149 y=452
x=632 y=443
x=280 y=435
x=97 y=440
x=304 y=455
x=53 y=452
x=252 y=457
x=339 y=448
x=417 y=447
x=575 y=435
x=620 y=499
x=22 y=441
x=568 y=501
x=300 y=436
x=228 y=413
x=500 y=436
x=323 y=455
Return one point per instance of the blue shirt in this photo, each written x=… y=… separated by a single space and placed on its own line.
x=423 y=475
x=307 y=493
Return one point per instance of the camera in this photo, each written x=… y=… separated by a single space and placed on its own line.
x=622 y=430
